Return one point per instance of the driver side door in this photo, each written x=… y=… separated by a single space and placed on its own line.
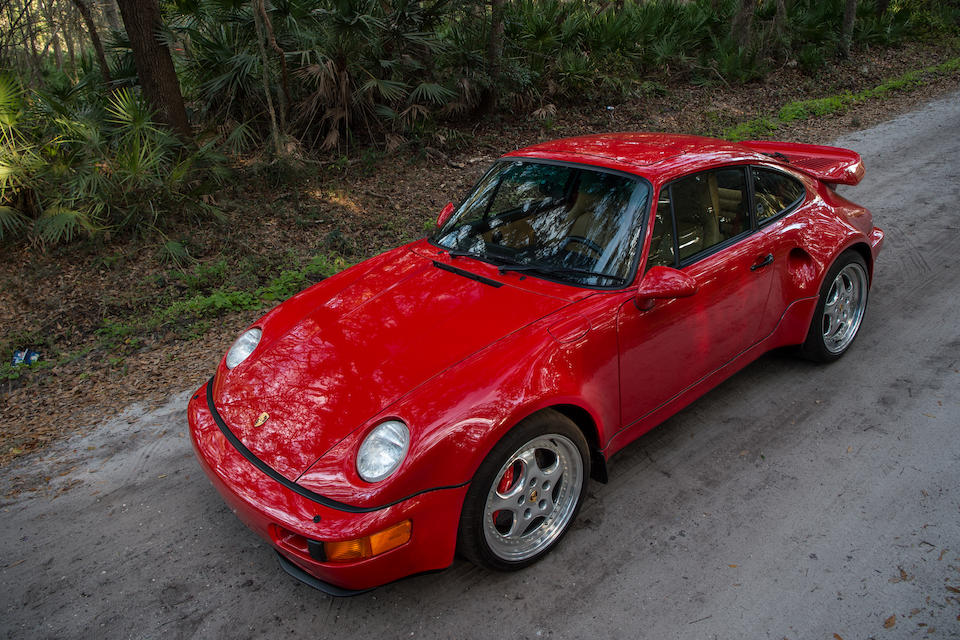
x=704 y=227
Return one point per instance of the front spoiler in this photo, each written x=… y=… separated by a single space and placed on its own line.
x=264 y=504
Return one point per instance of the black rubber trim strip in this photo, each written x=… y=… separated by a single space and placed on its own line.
x=467 y=274
x=314 y=582
x=293 y=486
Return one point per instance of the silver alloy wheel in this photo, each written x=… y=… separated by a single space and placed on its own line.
x=844 y=307
x=533 y=497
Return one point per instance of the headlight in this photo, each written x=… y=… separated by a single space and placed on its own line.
x=243 y=347
x=383 y=450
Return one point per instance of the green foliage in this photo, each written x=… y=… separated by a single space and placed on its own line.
x=76 y=160
x=10 y=372
x=804 y=109
x=752 y=129
x=735 y=63
x=371 y=71
x=812 y=58
x=219 y=300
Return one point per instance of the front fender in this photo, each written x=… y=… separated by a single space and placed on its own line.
x=457 y=417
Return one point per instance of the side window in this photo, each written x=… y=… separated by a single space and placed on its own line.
x=661 y=245
x=710 y=207
x=774 y=192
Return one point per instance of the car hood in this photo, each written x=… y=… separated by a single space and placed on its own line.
x=356 y=349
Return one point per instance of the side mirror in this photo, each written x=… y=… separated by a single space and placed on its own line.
x=662 y=283
x=445 y=214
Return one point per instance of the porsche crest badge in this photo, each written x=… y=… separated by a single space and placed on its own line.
x=262 y=419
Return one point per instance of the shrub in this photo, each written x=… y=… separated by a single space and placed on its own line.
x=79 y=160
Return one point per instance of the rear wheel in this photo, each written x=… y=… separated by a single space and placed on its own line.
x=840 y=310
x=526 y=493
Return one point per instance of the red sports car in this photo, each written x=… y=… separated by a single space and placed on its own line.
x=456 y=393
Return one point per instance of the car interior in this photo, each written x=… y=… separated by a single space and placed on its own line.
x=710 y=207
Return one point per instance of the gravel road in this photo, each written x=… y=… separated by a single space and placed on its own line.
x=794 y=501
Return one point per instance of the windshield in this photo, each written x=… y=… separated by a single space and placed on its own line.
x=566 y=222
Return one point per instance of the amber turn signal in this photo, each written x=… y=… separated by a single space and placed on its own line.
x=368 y=546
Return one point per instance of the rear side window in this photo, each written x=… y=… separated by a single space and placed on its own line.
x=774 y=193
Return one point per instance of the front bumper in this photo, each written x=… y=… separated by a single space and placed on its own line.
x=264 y=504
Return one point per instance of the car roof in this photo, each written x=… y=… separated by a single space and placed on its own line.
x=650 y=155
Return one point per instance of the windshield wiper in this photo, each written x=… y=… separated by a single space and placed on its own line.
x=460 y=253
x=551 y=269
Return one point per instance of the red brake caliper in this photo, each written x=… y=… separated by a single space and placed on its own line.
x=506 y=481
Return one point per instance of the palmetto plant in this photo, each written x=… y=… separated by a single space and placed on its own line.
x=18 y=159
x=370 y=67
x=77 y=162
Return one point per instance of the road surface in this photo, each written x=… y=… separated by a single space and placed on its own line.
x=794 y=501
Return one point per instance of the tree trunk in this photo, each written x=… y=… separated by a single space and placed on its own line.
x=68 y=39
x=94 y=38
x=265 y=75
x=742 y=23
x=775 y=36
x=849 y=17
x=58 y=51
x=158 y=78
x=488 y=101
x=284 y=97
x=55 y=27
x=30 y=26
x=11 y=49
x=109 y=8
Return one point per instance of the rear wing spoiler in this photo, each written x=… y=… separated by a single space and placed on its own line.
x=829 y=164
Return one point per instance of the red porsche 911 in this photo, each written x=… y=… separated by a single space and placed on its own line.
x=457 y=393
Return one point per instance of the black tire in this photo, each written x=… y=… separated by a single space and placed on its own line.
x=482 y=538
x=835 y=326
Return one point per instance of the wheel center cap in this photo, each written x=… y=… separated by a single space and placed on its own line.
x=533 y=496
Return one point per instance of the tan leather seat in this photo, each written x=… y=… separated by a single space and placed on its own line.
x=516 y=234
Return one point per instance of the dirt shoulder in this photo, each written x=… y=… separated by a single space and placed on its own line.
x=86 y=308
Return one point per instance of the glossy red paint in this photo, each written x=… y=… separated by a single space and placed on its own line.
x=461 y=352
x=829 y=164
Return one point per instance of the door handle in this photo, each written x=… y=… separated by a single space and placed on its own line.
x=766 y=260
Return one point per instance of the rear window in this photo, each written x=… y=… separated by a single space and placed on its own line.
x=774 y=193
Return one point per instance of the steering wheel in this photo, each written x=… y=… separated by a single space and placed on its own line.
x=583 y=246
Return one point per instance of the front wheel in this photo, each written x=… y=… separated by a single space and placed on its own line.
x=839 y=312
x=526 y=493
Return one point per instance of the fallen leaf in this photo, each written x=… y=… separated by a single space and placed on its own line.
x=890 y=622
x=744 y=452
x=953 y=589
x=849 y=449
x=732 y=566
x=942 y=553
x=929 y=415
x=837 y=637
